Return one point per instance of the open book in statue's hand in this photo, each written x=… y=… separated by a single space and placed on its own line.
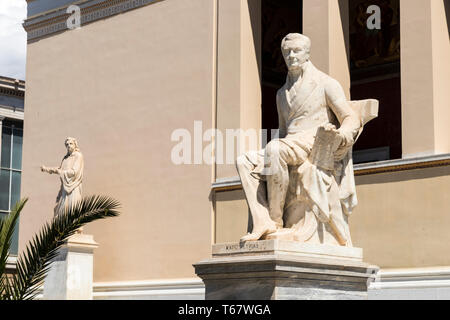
x=328 y=140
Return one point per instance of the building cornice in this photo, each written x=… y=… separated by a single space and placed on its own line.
x=402 y=164
x=11 y=112
x=54 y=21
x=12 y=87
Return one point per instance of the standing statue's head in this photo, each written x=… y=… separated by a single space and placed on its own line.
x=296 y=49
x=71 y=145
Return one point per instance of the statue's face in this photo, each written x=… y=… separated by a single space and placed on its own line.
x=295 y=54
x=70 y=145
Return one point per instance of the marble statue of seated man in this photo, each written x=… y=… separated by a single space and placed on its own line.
x=301 y=186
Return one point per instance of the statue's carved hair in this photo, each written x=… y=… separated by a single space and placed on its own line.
x=297 y=36
x=75 y=142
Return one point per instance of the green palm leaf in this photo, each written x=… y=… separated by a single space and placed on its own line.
x=6 y=232
x=34 y=264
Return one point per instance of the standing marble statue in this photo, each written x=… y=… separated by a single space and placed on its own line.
x=301 y=186
x=71 y=175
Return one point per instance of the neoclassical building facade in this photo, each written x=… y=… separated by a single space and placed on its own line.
x=134 y=71
x=12 y=93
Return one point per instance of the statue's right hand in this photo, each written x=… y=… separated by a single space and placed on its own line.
x=329 y=127
x=44 y=169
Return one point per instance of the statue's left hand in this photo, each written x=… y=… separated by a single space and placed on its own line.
x=347 y=139
x=346 y=143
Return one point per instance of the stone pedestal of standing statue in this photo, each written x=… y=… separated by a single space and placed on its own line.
x=301 y=192
x=71 y=273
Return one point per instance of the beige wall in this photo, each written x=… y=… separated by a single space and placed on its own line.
x=121 y=86
x=402 y=219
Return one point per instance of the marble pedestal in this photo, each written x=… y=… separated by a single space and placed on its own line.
x=282 y=270
x=71 y=273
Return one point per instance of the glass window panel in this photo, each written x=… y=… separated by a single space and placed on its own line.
x=6 y=147
x=15 y=188
x=17 y=149
x=4 y=189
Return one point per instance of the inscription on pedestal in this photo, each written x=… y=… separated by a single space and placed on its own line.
x=248 y=246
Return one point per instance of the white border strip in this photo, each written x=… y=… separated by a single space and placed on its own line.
x=176 y=289
x=432 y=277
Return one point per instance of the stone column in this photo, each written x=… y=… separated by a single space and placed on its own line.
x=71 y=274
x=326 y=22
x=238 y=100
x=425 y=72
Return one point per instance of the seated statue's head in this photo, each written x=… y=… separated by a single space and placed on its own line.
x=71 y=145
x=296 y=49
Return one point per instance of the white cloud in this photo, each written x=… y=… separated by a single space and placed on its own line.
x=13 y=38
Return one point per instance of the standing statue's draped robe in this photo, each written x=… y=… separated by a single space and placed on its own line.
x=71 y=176
x=314 y=101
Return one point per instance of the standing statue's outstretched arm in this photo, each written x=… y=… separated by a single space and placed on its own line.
x=50 y=170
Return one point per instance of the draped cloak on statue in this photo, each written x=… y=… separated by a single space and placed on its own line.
x=71 y=176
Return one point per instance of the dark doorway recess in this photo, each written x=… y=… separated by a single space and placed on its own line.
x=375 y=73
x=278 y=18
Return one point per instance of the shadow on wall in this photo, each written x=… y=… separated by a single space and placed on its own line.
x=447 y=13
x=343 y=8
x=399 y=176
x=254 y=11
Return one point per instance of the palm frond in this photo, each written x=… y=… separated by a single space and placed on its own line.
x=34 y=264
x=6 y=232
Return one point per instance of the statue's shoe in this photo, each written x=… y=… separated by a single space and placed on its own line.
x=256 y=235
x=281 y=234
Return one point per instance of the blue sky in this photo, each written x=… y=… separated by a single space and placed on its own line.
x=13 y=38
